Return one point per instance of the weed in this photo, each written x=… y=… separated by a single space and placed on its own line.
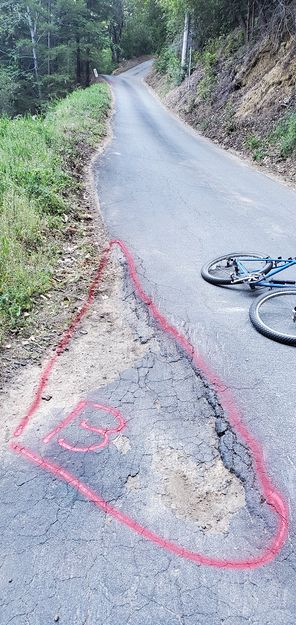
x=169 y=63
x=257 y=146
x=206 y=85
x=253 y=142
x=36 y=186
x=258 y=154
x=208 y=59
x=285 y=135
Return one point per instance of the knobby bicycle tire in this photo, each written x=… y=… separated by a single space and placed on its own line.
x=261 y=326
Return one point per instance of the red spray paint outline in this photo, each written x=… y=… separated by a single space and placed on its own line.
x=103 y=432
x=272 y=496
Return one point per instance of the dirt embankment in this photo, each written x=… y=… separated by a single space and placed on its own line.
x=240 y=100
x=130 y=63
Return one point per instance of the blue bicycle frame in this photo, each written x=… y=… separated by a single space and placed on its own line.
x=279 y=265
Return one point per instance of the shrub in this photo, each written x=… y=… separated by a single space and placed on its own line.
x=285 y=135
x=169 y=63
x=8 y=91
x=257 y=146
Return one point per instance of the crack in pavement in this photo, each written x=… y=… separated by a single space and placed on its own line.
x=168 y=406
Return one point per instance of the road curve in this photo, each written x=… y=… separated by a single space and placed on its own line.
x=177 y=200
x=116 y=507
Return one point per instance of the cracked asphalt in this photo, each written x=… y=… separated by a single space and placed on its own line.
x=177 y=467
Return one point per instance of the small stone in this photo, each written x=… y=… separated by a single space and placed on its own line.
x=56 y=618
x=47 y=397
x=10 y=580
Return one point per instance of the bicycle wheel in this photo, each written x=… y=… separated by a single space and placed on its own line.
x=221 y=270
x=273 y=315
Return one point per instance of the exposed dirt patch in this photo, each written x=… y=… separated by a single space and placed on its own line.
x=122 y=443
x=133 y=482
x=204 y=492
x=269 y=83
x=103 y=346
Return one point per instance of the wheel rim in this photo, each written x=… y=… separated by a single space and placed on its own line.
x=275 y=313
x=224 y=268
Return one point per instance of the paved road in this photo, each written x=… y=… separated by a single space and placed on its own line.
x=176 y=200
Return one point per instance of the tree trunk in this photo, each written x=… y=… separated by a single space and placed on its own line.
x=115 y=48
x=185 y=41
x=33 y=28
x=248 y=21
x=115 y=31
x=78 y=60
x=87 y=68
x=48 y=37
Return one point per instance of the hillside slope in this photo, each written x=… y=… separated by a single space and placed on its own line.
x=242 y=97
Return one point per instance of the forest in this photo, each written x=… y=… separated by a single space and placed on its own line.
x=50 y=47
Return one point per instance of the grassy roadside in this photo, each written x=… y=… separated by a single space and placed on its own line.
x=41 y=160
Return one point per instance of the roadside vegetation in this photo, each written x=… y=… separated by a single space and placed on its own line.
x=282 y=140
x=284 y=135
x=40 y=165
x=236 y=83
x=50 y=47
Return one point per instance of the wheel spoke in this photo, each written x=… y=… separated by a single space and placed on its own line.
x=227 y=267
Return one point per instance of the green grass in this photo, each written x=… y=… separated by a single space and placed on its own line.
x=36 y=189
x=169 y=63
x=257 y=146
x=206 y=85
x=282 y=137
x=285 y=135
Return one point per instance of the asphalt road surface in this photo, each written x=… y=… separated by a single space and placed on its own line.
x=176 y=200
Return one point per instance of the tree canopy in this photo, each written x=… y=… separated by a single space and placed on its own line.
x=47 y=47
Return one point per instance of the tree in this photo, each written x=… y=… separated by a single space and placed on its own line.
x=115 y=29
x=31 y=16
x=50 y=46
x=144 y=27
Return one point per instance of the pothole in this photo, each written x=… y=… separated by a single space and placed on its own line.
x=205 y=492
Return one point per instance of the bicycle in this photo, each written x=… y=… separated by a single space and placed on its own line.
x=274 y=312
